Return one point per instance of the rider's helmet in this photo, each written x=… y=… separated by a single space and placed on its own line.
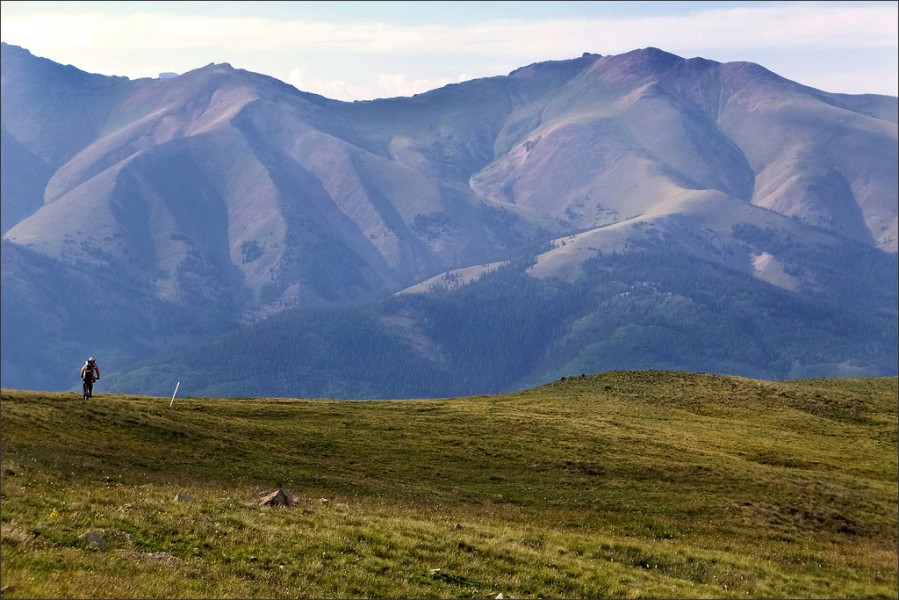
x=91 y=359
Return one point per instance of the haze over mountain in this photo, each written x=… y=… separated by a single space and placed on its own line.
x=628 y=211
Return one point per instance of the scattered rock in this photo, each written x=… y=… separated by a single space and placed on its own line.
x=95 y=540
x=277 y=498
x=458 y=526
x=183 y=497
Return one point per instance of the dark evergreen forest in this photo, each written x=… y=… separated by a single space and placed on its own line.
x=649 y=308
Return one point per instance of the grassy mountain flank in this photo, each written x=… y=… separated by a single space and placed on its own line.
x=680 y=213
x=623 y=484
x=507 y=331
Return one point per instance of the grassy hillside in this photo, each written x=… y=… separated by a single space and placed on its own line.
x=624 y=484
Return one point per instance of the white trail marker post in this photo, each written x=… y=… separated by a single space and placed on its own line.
x=173 y=394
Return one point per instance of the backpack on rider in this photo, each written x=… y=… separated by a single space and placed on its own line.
x=90 y=373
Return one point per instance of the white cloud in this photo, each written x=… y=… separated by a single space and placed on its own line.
x=330 y=88
x=399 y=84
x=360 y=59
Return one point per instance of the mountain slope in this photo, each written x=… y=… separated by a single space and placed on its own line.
x=226 y=197
x=507 y=330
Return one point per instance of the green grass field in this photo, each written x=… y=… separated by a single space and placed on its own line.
x=625 y=484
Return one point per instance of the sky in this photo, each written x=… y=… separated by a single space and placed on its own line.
x=348 y=50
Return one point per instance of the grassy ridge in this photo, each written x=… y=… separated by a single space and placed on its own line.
x=625 y=484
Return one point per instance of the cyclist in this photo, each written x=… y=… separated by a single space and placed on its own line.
x=90 y=373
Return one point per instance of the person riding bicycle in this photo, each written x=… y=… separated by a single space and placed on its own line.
x=90 y=373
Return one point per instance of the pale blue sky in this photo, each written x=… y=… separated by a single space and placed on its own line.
x=361 y=50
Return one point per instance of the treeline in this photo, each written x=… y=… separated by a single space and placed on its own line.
x=439 y=344
x=508 y=330
x=665 y=310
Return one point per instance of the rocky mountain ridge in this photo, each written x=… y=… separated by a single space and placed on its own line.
x=219 y=198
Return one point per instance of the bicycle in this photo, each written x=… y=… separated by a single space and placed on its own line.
x=88 y=387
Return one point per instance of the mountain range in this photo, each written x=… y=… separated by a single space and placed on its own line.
x=224 y=229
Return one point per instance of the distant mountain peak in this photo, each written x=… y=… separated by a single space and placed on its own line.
x=222 y=196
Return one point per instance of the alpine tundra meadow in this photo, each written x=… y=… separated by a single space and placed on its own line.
x=627 y=484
